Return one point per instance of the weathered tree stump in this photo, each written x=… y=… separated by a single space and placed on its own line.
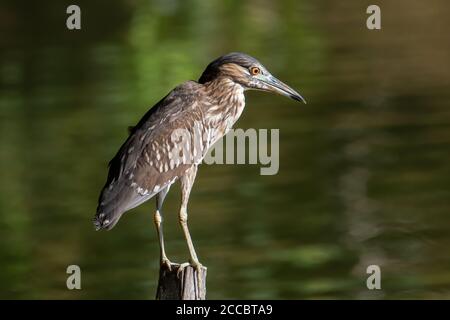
x=186 y=286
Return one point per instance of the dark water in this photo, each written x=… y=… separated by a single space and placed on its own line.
x=364 y=166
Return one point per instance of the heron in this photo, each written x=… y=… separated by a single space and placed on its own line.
x=153 y=157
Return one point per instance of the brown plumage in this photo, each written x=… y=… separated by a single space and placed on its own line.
x=172 y=138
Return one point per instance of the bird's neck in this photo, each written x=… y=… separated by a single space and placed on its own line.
x=223 y=88
x=226 y=102
x=226 y=96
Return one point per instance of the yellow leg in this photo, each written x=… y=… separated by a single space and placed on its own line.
x=157 y=218
x=162 y=252
x=186 y=185
x=193 y=255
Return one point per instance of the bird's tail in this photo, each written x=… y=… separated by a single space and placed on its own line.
x=115 y=199
x=106 y=219
x=110 y=208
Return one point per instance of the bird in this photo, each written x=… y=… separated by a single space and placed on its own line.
x=171 y=139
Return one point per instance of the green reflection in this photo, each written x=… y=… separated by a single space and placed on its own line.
x=364 y=171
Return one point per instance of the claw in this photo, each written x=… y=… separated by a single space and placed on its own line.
x=181 y=269
x=198 y=267
x=194 y=264
x=166 y=263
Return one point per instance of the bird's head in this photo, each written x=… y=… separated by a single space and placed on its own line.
x=247 y=72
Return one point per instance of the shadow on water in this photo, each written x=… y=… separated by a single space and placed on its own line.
x=364 y=171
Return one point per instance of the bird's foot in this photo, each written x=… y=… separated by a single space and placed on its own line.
x=200 y=287
x=181 y=269
x=195 y=264
x=165 y=263
x=198 y=267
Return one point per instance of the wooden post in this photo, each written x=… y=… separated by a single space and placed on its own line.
x=185 y=287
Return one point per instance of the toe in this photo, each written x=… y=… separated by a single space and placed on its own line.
x=181 y=269
x=167 y=264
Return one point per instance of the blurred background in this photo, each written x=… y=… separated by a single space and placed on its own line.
x=364 y=167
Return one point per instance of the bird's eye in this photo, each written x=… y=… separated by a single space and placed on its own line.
x=255 y=71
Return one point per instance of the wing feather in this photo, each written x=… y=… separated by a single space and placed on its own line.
x=142 y=166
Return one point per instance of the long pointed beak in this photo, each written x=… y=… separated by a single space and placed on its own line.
x=275 y=85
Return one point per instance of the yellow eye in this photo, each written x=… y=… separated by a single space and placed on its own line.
x=255 y=70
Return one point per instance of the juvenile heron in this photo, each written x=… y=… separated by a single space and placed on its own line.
x=172 y=138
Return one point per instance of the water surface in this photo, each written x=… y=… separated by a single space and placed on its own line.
x=364 y=166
